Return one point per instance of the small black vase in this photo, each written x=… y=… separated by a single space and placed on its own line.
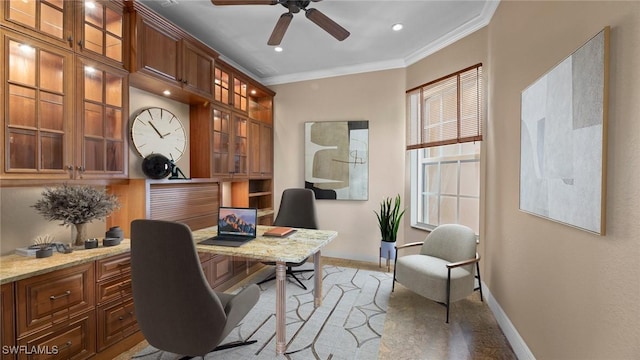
x=44 y=252
x=114 y=232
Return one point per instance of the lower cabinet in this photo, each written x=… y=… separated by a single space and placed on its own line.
x=8 y=322
x=55 y=314
x=86 y=311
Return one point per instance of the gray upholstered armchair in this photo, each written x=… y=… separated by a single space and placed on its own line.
x=444 y=269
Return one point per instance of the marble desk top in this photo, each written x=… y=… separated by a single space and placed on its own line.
x=17 y=267
x=293 y=248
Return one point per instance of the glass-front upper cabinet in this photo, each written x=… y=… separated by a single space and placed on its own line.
x=100 y=30
x=53 y=18
x=239 y=94
x=221 y=81
x=93 y=28
x=36 y=108
x=103 y=119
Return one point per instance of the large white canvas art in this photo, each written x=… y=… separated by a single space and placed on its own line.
x=562 y=139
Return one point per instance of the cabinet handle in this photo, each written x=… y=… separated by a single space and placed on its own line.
x=80 y=168
x=70 y=40
x=80 y=44
x=66 y=293
x=65 y=345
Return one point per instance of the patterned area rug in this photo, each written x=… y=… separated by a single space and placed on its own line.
x=347 y=326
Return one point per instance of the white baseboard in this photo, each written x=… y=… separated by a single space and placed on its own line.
x=518 y=345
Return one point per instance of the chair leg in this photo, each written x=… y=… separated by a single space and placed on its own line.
x=228 y=345
x=234 y=344
x=448 y=305
x=296 y=279
x=395 y=266
x=267 y=280
x=479 y=281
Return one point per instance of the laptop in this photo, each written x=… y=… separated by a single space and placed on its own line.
x=236 y=226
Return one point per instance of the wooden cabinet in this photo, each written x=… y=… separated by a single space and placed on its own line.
x=102 y=119
x=100 y=31
x=240 y=101
x=115 y=310
x=56 y=311
x=166 y=58
x=260 y=149
x=219 y=143
x=37 y=109
x=221 y=84
x=7 y=320
x=39 y=114
x=92 y=28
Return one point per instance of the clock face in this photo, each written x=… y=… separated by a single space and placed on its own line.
x=158 y=131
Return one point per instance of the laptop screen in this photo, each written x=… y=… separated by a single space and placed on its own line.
x=237 y=221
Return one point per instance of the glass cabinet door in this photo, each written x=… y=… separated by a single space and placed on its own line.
x=221 y=85
x=221 y=135
x=101 y=29
x=37 y=108
x=103 y=121
x=48 y=17
x=239 y=94
x=240 y=150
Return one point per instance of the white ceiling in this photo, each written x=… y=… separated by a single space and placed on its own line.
x=240 y=33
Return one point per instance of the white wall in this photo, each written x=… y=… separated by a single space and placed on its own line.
x=377 y=97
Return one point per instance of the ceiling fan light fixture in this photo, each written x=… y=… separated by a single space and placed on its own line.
x=397 y=27
x=278 y=49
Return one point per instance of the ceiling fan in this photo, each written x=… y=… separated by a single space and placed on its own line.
x=294 y=6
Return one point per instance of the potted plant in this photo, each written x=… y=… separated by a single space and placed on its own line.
x=389 y=222
x=76 y=205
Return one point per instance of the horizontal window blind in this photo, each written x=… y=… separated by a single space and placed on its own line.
x=446 y=111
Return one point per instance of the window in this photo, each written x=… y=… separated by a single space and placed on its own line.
x=443 y=133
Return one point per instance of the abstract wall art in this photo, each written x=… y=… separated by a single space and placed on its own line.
x=337 y=159
x=563 y=139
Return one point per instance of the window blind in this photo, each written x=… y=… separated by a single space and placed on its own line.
x=446 y=111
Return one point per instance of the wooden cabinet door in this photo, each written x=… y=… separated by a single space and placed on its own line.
x=7 y=321
x=240 y=146
x=197 y=68
x=221 y=84
x=102 y=119
x=221 y=151
x=158 y=52
x=100 y=31
x=240 y=101
x=260 y=149
x=37 y=109
x=51 y=20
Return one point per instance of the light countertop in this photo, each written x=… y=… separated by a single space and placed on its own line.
x=293 y=248
x=17 y=267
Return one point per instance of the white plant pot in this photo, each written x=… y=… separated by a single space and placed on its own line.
x=388 y=250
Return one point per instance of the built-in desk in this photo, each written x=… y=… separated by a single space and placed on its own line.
x=293 y=248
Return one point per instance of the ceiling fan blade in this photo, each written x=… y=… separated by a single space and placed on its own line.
x=280 y=29
x=244 y=2
x=327 y=24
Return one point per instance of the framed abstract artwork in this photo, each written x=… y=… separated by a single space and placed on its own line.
x=563 y=143
x=336 y=157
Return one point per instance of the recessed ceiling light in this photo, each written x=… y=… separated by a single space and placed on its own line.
x=89 y=69
x=278 y=49
x=253 y=91
x=397 y=27
x=167 y=92
x=90 y=4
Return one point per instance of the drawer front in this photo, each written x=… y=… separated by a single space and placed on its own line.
x=204 y=256
x=115 y=288
x=116 y=321
x=7 y=318
x=53 y=298
x=73 y=341
x=113 y=266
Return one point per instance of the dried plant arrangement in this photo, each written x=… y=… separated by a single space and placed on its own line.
x=42 y=242
x=76 y=205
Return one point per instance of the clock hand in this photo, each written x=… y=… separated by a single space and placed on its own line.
x=154 y=128
x=166 y=134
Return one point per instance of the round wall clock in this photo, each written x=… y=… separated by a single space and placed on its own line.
x=158 y=131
